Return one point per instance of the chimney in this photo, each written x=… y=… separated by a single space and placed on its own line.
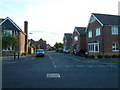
x=26 y=27
x=26 y=36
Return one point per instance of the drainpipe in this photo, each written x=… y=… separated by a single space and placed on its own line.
x=102 y=41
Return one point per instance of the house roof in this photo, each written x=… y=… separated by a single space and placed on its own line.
x=68 y=36
x=81 y=30
x=107 y=19
x=1 y=19
x=7 y=23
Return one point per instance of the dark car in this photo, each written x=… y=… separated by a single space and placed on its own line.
x=81 y=52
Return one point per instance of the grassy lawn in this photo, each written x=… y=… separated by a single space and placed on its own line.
x=114 y=61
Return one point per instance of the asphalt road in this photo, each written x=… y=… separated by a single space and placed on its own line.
x=59 y=70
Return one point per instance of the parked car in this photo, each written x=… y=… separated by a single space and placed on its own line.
x=40 y=52
x=81 y=52
x=67 y=51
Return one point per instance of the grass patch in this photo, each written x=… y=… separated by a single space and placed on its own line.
x=114 y=61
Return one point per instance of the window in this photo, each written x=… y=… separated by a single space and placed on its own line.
x=90 y=34
x=93 y=47
x=76 y=38
x=8 y=32
x=115 y=46
x=97 y=31
x=114 y=30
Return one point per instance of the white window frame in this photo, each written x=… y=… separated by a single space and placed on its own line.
x=76 y=38
x=94 y=47
x=97 y=31
x=114 y=30
x=90 y=34
x=115 y=46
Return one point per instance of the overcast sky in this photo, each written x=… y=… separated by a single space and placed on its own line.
x=50 y=19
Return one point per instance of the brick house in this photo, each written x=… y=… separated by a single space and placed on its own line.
x=40 y=44
x=7 y=25
x=103 y=34
x=79 y=39
x=67 y=41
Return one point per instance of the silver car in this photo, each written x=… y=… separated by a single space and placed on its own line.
x=40 y=52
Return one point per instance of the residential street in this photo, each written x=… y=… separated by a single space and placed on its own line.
x=59 y=70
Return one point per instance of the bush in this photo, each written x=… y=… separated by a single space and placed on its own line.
x=99 y=56
x=91 y=56
x=107 y=56
x=119 y=56
x=24 y=54
x=82 y=55
x=87 y=56
x=61 y=51
x=114 y=56
x=57 y=50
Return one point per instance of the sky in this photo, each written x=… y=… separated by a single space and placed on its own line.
x=50 y=19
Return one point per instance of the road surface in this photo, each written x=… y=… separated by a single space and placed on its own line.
x=59 y=70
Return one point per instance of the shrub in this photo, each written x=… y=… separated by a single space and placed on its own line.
x=61 y=51
x=119 y=56
x=99 y=56
x=82 y=55
x=107 y=56
x=91 y=56
x=87 y=56
x=114 y=56
x=24 y=53
x=57 y=50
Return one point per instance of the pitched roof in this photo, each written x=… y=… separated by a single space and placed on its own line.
x=81 y=30
x=1 y=19
x=68 y=36
x=9 y=24
x=107 y=19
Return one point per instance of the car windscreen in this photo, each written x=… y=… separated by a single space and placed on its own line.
x=39 y=50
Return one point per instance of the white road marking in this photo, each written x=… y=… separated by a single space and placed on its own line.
x=73 y=59
x=101 y=65
x=80 y=66
x=53 y=75
x=112 y=65
x=69 y=65
x=91 y=66
x=51 y=58
x=54 y=64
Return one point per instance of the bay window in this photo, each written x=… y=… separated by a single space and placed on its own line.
x=93 y=47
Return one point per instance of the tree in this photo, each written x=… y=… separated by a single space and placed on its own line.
x=9 y=41
x=58 y=47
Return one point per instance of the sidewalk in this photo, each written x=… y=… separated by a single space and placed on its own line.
x=11 y=58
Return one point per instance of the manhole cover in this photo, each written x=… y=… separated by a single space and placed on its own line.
x=53 y=75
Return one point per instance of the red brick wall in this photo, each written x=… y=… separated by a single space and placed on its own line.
x=81 y=40
x=109 y=39
x=106 y=38
x=92 y=27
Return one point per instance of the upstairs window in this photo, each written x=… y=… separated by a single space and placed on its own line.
x=114 y=30
x=8 y=32
x=97 y=31
x=76 y=38
x=90 y=34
